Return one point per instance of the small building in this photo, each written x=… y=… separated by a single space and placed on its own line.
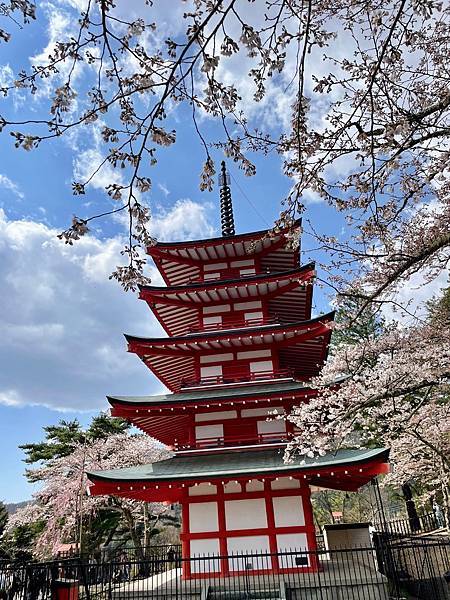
x=241 y=349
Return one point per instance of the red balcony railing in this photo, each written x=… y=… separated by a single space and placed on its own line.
x=221 y=442
x=223 y=274
x=234 y=325
x=237 y=377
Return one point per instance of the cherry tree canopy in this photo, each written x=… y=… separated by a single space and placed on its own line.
x=63 y=502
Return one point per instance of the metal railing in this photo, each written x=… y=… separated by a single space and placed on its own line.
x=224 y=442
x=383 y=572
x=242 y=324
x=423 y=524
x=238 y=377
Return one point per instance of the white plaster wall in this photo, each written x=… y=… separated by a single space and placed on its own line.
x=248 y=271
x=243 y=263
x=249 y=316
x=288 y=511
x=203 y=517
x=254 y=486
x=254 y=354
x=232 y=487
x=215 y=266
x=219 y=308
x=202 y=489
x=288 y=542
x=247 y=545
x=245 y=514
x=214 y=416
x=210 y=358
x=262 y=412
x=284 y=483
x=247 y=305
x=217 y=319
x=261 y=365
x=203 y=548
x=212 y=371
x=273 y=426
x=203 y=432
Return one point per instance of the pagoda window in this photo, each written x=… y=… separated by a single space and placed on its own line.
x=247 y=272
x=214 y=416
x=262 y=412
x=253 y=316
x=221 y=308
x=237 y=370
x=211 y=374
x=271 y=431
x=240 y=431
x=211 y=276
x=247 y=305
x=209 y=322
x=261 y=368
x=209 y=435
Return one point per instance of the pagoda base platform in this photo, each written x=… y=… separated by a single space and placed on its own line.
x=355 y=576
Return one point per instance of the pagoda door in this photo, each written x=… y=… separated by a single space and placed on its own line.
x=237 y=432
x=235 y=370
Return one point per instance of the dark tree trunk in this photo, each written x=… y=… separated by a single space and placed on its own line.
x=413 y=517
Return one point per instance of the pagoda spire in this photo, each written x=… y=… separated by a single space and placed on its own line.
x=226 y=205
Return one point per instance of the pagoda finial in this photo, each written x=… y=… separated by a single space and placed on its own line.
x=226 y=205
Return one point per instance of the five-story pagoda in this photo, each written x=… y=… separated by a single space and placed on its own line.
x=241 y=347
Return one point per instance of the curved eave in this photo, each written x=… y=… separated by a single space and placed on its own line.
x=138 y=344
x=150 y=292
x=221 y=239
x=177 y=308
x=274 y=390
x=302 y=348
x=345 y=470
x=182 y=262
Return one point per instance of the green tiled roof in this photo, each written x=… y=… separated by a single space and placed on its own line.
x=261 y=389
x=234 y=464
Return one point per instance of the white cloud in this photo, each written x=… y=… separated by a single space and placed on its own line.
x=62 y=320
x=186 y=220
x=8 y=184
x=164 y=189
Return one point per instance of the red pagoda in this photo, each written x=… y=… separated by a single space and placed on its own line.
x=241 y=348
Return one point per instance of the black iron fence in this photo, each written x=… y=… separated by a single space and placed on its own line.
x=388 y=570
x=421 y=524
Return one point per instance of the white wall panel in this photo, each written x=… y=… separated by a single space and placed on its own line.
x=219 y=308
x=203 y=432
x=203 y=517
x=247 y=305
x=249 y=544
x=288 y=511
x=284 y=483
x=254 y=354
x=261 y=365
x=213 y=416
x=202 y=489
x=288 y=542
x=262 y=412
x=245 y=514
x=254 y=486
x=210 y=358
x=212 y=371
x=203 y=548
x=273 y=426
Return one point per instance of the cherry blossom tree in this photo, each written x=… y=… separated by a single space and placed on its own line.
x=63 y=503
x=368 y=88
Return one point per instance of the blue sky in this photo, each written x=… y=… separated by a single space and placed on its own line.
x=61 y=324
